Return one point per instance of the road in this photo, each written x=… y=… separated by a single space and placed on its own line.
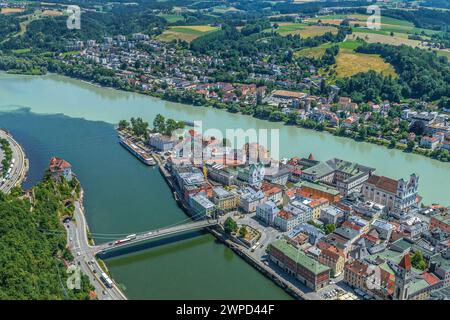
x=84 y=255
x=19 y=168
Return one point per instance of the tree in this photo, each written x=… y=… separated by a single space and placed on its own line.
x=139 y=127
x=392 y=143
x=410 y=146
x=230 y=225
x=123 y=124
x=418 y=127
x=171 y=125
x=159 y=123
x=418 y=261
x=362 y=133
x=243 y=232
x=329 y=228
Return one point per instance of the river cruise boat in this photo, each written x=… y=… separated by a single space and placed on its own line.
x=137 y=151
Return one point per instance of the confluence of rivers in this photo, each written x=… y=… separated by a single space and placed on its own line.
x=55 y=115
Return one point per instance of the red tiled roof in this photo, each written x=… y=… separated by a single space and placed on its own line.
x=430 y=278
x=383 y=183
x=357 y=267
x=285 y=215
x=350 y=225
x=58 y=164
x=406 y=262
x=270 y=189
x=370 y=238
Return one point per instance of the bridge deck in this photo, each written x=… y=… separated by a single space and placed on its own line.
x=153 y=234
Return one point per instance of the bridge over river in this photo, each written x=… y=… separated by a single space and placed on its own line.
x=152 y=234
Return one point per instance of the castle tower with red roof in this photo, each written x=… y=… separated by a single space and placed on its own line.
x=403 y=278
x=60 y=168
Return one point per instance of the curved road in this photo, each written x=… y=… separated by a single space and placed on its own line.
x=20 y=167
x=84 y=255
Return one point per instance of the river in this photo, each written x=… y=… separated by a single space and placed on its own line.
x=54 y=115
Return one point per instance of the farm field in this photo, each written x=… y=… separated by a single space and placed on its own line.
x=393 y=40
x=317 y=52
x=11 y=10
x=171 y=18
x=387 y=24
x=186 y=33
x=305 y=31
x=349 y=63
x=224 y=9
x=312 y=53
x=51 y=13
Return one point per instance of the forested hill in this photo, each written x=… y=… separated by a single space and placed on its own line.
x=33 y=244
x=421 y=75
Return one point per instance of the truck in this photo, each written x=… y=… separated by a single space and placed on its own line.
x=131 y=236
x=106 y=280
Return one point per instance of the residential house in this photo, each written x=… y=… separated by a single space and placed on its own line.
x=161 y=142
x=267 y=212
x=331 y=215
x=429 y=142
x=285 y=220
x=250 y=199
x=60 y=168
x=225 y=200
x=334 y=258
x=201 y=205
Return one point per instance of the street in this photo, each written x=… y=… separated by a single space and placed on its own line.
x=19 y=168
x=84 y=256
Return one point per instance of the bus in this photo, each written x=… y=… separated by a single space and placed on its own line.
x=104 y=277
x=122 y=240
x=131 y=236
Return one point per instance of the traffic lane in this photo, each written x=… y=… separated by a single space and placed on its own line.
x=18 y=166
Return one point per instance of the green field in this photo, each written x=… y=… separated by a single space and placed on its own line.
x=387 y=24
x=304 y=30
x=317 y=52
x=171 y=18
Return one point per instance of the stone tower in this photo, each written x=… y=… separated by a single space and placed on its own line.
x=403 y=278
